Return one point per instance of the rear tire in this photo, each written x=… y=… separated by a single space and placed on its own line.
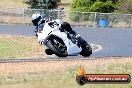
x=59 y=50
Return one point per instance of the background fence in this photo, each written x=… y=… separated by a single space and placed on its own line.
x=86 y=19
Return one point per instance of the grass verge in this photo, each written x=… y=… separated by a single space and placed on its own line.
x=61 y=74
x=15 y=46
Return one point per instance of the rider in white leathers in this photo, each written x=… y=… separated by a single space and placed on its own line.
x=39 y=22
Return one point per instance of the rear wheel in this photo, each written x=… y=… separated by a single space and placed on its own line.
x=57 y=46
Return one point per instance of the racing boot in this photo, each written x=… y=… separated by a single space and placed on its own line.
x=48 y=52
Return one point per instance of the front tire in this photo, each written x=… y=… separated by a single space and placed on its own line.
x=57 y=46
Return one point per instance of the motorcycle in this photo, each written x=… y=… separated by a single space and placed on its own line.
x=62 y=44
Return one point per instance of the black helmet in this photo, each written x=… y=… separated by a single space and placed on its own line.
x=65 y=26
x=36 y=18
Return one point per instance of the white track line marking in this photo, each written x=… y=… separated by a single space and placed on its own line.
x=99 y=47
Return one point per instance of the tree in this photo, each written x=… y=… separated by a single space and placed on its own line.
x=32 y=3
x=42 y=4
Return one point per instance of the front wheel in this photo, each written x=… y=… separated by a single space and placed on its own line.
x=57 y=46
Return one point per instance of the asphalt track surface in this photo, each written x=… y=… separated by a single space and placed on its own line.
x=114 y=41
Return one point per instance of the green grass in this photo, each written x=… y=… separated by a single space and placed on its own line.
x=10 y=49
x=59 y=79
x=15 y=46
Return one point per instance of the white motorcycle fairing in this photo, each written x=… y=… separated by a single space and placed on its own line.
x=72 y=49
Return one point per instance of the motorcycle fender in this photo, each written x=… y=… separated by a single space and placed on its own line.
x=72 y=49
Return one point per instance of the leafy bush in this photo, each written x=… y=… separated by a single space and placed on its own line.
x=106 y=7
x=75 y=17
x=81 y=9
x=81 y=3
x=92 y=6
x=92 y=17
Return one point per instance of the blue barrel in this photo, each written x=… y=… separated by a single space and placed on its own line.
x=103 y=23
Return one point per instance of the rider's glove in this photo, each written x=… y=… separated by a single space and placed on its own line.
x=77 y=36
